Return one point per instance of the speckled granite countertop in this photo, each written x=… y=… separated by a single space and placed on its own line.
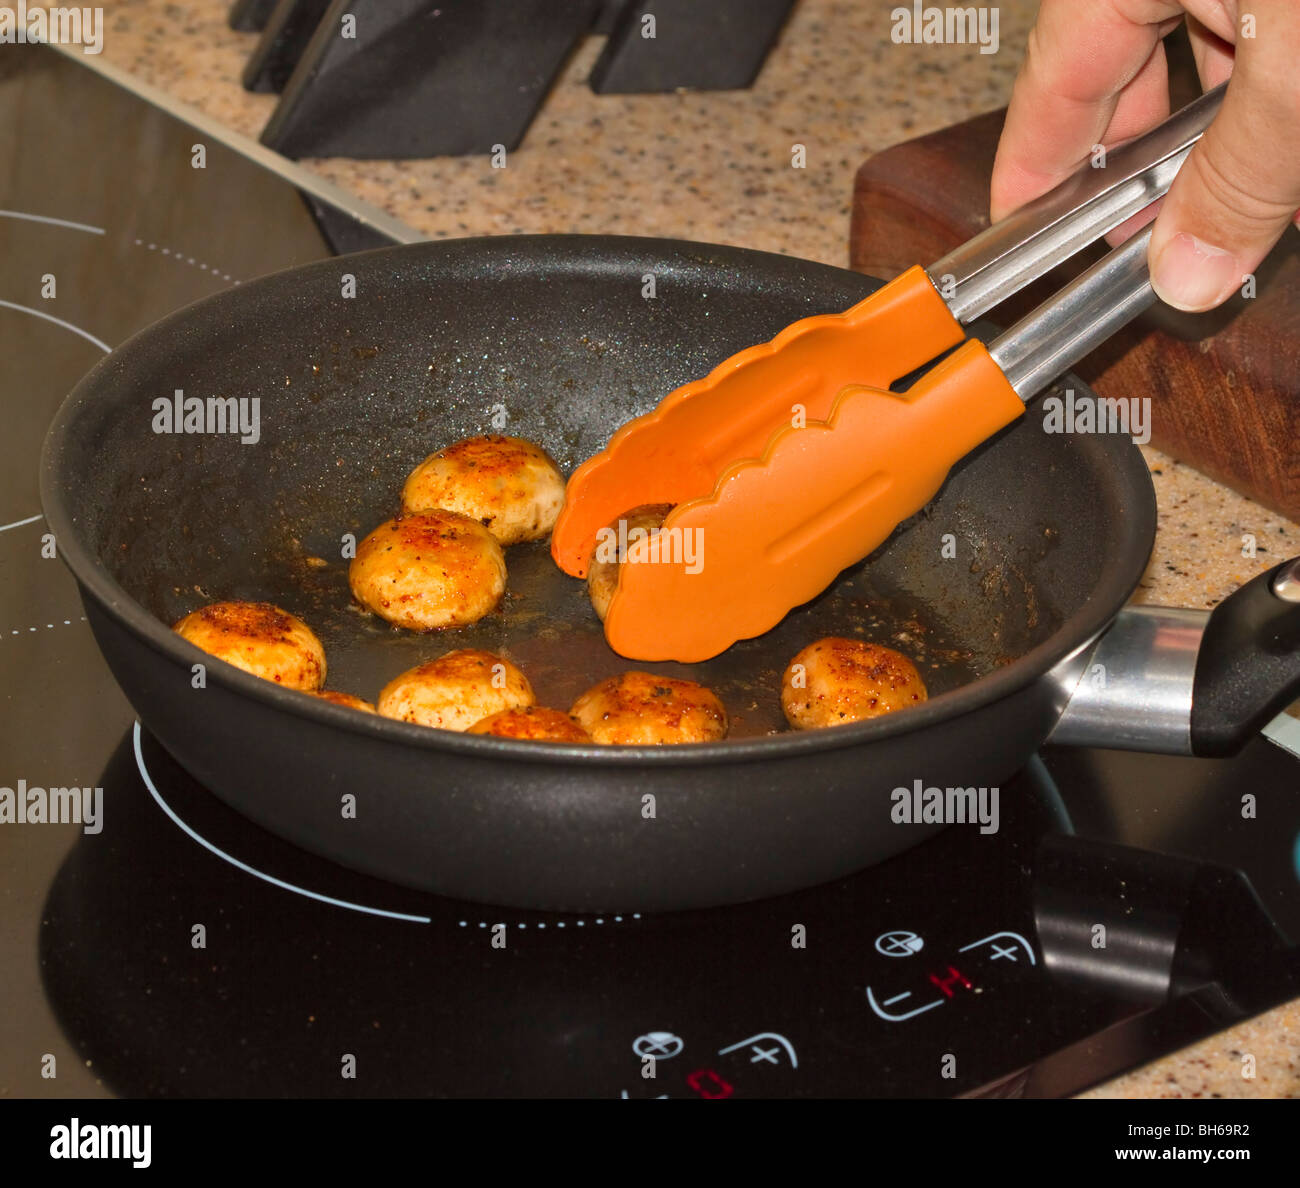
x=716 y=167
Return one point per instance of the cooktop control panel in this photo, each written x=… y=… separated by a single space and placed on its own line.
x=921 y=978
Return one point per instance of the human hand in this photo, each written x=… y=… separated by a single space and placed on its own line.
x=1095 y=73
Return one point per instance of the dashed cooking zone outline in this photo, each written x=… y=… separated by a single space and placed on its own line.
x=152 y=788
x=185 y=259
x=65 y=623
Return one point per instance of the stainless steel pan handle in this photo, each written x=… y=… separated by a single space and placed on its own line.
x=1187 y=682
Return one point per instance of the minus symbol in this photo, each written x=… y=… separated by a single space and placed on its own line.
x=898 y=998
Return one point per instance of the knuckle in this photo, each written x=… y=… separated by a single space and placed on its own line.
x=1272 y=93
x=1235 y=182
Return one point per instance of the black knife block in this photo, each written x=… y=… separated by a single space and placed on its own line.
x=422 y=78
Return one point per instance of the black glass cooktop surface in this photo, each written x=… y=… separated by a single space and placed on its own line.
x=183 y=951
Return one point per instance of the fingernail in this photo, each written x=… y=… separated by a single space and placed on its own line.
x=1192 y=275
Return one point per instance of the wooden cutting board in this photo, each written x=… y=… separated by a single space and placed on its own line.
x=1224 y=386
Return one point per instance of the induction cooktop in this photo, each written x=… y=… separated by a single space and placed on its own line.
x=170 y=948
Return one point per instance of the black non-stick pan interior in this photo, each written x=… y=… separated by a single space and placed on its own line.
x=550 y=339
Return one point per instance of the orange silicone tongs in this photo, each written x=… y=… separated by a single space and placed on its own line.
x=792 y=460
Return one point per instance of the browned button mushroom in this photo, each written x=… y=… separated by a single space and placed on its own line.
x=345 y=699
x=259 y=638
x=532 y=722
x=429 y=570
x=456 y=690
x=639 y=524
x=836 y=681
x=641 y=709
x=508 y=485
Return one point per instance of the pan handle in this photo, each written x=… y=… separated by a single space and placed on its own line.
x=1186 y=682
x=1248 y=668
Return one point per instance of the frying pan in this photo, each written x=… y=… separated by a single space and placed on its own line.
x=551 y=338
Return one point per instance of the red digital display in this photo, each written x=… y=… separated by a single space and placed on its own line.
x=955 y=978
x=709 y=1085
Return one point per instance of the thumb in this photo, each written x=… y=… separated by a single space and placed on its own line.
x=1239 y=188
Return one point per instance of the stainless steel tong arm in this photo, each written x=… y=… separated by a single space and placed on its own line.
x=1022 y=247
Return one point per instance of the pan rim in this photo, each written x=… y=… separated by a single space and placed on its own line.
x=1120 y=574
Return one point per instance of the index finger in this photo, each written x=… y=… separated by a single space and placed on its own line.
x=1094 y=69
